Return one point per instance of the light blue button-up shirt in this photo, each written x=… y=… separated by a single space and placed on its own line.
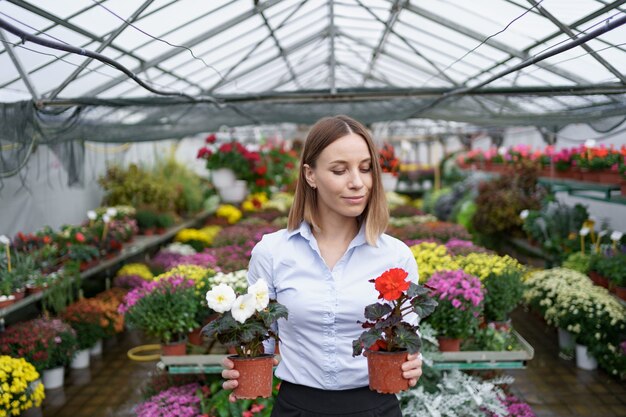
x=324 y=305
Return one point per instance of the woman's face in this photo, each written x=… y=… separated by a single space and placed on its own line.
x=342 y=177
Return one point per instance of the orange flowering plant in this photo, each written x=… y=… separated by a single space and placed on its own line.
x=386 y=328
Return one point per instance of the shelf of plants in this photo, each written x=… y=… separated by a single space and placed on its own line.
x=139 y=245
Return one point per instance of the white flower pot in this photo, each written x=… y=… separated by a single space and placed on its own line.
x=389 y=180
x=96 y=349
x=584 y=360
x=53 y=378
x=81 y=360
x=236 y=193
x=566 y=340
x=223 y=177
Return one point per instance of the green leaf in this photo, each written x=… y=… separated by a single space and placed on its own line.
x=389 y=322
x=424 y=306
x=377 y=311
x=406 y=337
x=415 y=290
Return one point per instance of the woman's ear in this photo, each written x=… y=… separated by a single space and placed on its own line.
x=309 y=175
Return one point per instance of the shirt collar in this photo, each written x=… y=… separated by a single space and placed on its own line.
x=305 y=231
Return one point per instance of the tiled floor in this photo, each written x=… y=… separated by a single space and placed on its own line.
x=554 y=387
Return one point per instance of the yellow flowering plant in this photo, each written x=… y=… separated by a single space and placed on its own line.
x=482 y=265
x=255 y=202
x=229 y=212
x=432 y=257
x=135 y=269
x=19 y=388
x=195 y=238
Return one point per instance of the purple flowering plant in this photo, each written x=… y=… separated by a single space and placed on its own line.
x=460 y=247
x=460 y=297
x=180 y=401
x=144 y=308
x=515 y=408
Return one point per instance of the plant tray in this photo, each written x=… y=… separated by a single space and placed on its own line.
x=515 y=359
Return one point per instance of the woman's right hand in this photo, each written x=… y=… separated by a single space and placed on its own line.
x=231 y=375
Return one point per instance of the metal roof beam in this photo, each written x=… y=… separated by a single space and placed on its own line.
x=101 y=48
x=190 y=43
x=298 y=45
x=548 y=38
x=18 y=65
x=394 y=12
x=283 y=81
x=332 y=62
x=491 y=42
x=572 y=35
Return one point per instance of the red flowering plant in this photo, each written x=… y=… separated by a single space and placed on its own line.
x=46 y=343
x=89 y=319
x=386 y=328
x=387 y=158
x=231 y=155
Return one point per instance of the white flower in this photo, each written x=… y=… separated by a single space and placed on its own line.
x=106 y=218
x=220 y=298
x=502 y=150
x=602 y=232
x=92 y=215
x=615 y=236
x=261 y=294
x=112 y=211
x=523 y=214
x=5 y=240
x=584 y=231
x=243 y=308
x=590 y=143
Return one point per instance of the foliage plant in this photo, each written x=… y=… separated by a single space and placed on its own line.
x=190 y=187
x=386 y=327
x=612 y=267
x=460 y=297
x=146 y=219
x=555 y=227
x=456 y=394
x=503 y=293
x=89 y=319
x=491 y=339
x=579 y=261
x=19 y=388
x=245 y=320
x=45 y=343
x=163 y=308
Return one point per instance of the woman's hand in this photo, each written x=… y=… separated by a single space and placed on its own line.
x=412 y=368
x=231 y=375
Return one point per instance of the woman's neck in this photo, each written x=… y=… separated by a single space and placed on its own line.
x=336 y=230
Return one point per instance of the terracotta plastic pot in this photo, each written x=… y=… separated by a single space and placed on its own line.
x=620 y=292
x=178 y=348
x=385 y=371
x=195 y=338
x=255 y=376
x=448 y=344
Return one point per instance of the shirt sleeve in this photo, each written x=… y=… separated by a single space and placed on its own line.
x=260 y=267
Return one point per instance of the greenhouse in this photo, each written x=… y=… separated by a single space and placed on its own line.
x=175 y=198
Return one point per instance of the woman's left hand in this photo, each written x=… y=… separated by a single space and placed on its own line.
x=412 y=368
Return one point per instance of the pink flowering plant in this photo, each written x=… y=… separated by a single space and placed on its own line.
x=460 y=297
x=45 y=343
x=180 y=401
x=165 y=309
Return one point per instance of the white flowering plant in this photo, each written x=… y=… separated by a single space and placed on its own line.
x=245 y=320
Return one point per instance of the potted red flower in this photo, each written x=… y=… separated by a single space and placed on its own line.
x=388 y=338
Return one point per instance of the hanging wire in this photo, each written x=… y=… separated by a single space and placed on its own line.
x=84 y=52
x=485 y=40
x=156 y=38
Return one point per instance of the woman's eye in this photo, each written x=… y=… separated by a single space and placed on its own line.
x=366 y=169
x=339 y=172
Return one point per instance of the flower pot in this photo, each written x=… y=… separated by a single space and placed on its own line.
x=6 y=300
x=19 y=294
x=566 y=340
x=389 y=181
x=623 y=187
x=584 y=360
x=385 y=371
x=34 y=289
x=255 y=376
x=81 y=360
x=96 y=349
x=599 y=279
x=234 y=193
x=178 y=348
x=619 y=292
x=195 y=337
x=53 y=378
x=223 y=177
x=449 y=344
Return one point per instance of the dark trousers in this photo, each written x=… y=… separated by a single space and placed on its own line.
x=300 y=401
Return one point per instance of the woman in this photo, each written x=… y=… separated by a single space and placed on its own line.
x=319 y=269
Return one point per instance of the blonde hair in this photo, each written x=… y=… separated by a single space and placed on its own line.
x=304 y=208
